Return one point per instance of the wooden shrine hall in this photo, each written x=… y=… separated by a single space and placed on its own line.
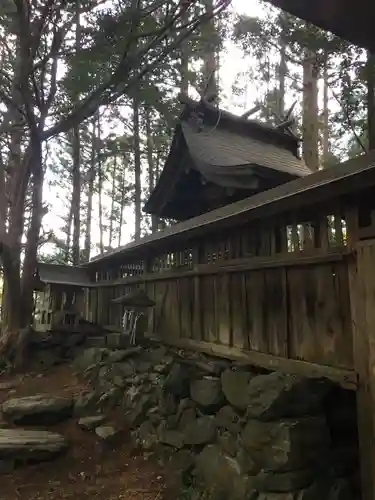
x=217 y=158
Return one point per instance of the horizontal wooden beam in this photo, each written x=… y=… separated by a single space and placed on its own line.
x=343 y=377
x=233 y=266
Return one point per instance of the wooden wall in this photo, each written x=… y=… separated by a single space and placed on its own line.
x=297 y=311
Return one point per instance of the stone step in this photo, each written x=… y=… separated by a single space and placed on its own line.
x=30 y=445
x=41 y=409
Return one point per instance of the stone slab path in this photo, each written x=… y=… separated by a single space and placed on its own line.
x=86 y=470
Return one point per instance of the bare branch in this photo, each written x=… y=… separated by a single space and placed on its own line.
x=121 y=80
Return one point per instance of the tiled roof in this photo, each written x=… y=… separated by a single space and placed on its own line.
x=220 y=147
x=57 y=274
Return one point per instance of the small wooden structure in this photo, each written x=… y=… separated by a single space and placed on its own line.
x=134 y=307
x=60 y=296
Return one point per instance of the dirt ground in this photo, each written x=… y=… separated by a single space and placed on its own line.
x=87 y=470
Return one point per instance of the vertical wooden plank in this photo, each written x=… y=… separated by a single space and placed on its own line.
x=302 y=312
x=245 y=320
x=352 y=227
x=237 y=309
x=208 y=309
x=185 y=296
x=276 y=305
x=283 y=239
x=318 y=324
x=172 y=312
x=197 y=319
x=223 y=317
x=323 y=233
x=256 y=311
x=215 y=285
x=362 y=295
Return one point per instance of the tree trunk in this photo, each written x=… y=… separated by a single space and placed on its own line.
x=184 y=60
x=100 y=187
x=113 y=199
x=211 y=87
x=90 y=194
x=370 y=67
x=325 y=138
x=137 y=168
x=76 y=195
x=68 y=243
x=30 y=261
x=282 y=71
x=151 y=165
x=310 y=123
x=123 y=191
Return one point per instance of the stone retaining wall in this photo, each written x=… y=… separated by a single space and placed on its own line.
x=225 y=431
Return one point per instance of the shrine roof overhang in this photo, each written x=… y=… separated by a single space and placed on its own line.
x=348 y=19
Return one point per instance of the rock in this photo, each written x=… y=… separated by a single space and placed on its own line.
x=155 y=378
x=228 y=443
x=228 y=419
x=41 y=409
x=89 y=357
x=286 y=444
x=124 y=369
x=106 y=432
x=157 y=355
x=119 y=381
x=177 y=381
x=338 y=489
x=147 y=435
x=167 y=404
x=182 y=461
x=154 y=416
x=207 y=393
x=235 y=385
x=247 y=463
x=143 y=366
x=85 y=403
x=119 y=355
x=161 y=369
x=284 y=482
x=222 y=476
x=136 y=416
x=26 y=445
x=186 y=417
x=111 y=398
x=171 y=438
x=179 y=468
x=10 y=384
x=200 y=431
x=279 y=395
x=90 y=423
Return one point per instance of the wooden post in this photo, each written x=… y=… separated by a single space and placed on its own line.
x=362 y=291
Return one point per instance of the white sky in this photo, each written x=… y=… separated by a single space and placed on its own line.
x=232 y=63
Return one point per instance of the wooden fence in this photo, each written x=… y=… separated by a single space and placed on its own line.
x=276 y=287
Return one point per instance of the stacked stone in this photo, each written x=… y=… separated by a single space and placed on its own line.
x=233 y=433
